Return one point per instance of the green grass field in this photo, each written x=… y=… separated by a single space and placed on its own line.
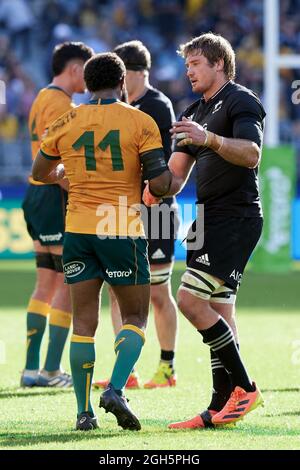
x=268 y=316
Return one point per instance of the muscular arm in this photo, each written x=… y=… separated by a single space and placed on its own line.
x=239 y=152
x=180 y=165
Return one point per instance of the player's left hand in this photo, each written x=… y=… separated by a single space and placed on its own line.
x=190 y=132
x=148 y=198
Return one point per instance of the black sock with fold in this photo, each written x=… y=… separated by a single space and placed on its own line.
x=220 y=339
x=221 y=382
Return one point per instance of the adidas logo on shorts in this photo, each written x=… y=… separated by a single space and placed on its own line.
x=203 y=259
x=158 y=254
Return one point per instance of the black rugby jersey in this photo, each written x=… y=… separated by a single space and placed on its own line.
x=160 y=108
x=224 y=188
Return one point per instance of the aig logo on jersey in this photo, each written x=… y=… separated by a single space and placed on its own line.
x=74 y=268
x=237 y=276
x=217 y=107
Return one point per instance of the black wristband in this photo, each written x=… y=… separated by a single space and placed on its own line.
x=154 y=163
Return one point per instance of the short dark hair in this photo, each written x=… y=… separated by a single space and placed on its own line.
x=104 y=71
x=134 y=55
x=214 y=47
x=67 y=51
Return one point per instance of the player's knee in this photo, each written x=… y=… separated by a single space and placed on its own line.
x=159 y=299
x=85 y=326
x=197 y=311
x=184 y=303
x=62 y=298
x=42 y=292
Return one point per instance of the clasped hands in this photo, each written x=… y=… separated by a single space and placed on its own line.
x=190 y=132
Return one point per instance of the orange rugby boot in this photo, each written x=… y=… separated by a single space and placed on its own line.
x=201 y=421
x=238 y=405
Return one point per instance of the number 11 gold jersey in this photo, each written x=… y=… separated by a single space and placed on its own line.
x=100 y=144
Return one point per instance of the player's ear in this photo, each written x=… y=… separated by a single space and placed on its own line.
x=71 y=70
x=220 y=65
x=75 y=68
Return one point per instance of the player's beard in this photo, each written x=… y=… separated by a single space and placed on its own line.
x=124 y=95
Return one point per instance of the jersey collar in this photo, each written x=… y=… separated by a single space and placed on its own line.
x=147 y=88
x=103 y=101
x=216 y=94
x=55 y=87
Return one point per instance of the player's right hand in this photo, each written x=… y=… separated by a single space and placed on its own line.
x=148 y=198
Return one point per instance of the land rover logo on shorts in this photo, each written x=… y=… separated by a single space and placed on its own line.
x=116 y=274
x=74 y=268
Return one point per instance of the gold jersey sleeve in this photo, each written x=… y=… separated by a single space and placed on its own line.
x=59 y=129
x=100 y=145
x=50 y=103
x=149 y=137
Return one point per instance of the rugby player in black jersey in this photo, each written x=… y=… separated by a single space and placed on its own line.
x=221 y=134
x=142 y=95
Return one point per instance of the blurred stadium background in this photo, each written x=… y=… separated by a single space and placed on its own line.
x=269 y=297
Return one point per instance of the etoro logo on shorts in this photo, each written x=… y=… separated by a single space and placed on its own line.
x=53 y=237
x=74 y=268
x=115 y=274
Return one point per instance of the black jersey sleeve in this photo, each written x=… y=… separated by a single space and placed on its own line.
x=247 y=116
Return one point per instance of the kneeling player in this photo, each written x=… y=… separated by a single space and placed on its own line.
x=102 y=146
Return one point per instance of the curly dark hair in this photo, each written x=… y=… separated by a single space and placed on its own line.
x=134 y=55
x=104 y=71
x=67 y=51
